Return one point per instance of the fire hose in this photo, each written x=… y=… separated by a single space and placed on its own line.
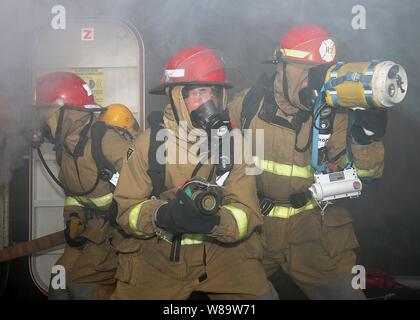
x=29 y=247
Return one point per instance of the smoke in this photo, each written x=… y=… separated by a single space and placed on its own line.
x=246 y=32
x=14 y=139
x=15 y=122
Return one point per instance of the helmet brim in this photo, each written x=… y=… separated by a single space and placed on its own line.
x=158 y=90
x=288 y=60
x=93 y=107
x=162 y=88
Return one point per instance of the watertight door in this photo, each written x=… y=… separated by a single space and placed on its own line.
x=109 y=55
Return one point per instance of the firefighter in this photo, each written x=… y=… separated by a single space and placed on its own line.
x=89 y=154
x=316 y=251
x=179 y=248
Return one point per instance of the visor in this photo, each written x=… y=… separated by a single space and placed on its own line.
x=196 y=96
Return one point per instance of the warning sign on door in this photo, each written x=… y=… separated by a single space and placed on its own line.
x=94 y=77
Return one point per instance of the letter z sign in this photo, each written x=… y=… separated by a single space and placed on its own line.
x=87 y=34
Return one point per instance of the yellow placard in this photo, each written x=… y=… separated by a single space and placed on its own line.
x=94 y=77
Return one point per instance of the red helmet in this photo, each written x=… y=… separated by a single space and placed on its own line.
x=307 y=43
x=193 y=66
x=63 y=89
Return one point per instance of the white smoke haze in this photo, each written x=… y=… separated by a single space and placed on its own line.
x=247 y=32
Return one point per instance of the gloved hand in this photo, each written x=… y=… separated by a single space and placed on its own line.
x=369 y=125
x=74 y=227
x=181 y=216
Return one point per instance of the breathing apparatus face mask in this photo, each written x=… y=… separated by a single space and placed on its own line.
x=205 y=107
x=316 y=79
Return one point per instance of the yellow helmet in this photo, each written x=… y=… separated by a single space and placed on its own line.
x=118 y=115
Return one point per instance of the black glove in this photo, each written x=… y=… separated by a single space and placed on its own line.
x=74 y=227
x=181 y=216
x=374 y=120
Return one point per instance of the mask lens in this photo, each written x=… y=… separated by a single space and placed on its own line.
x=197 y=96
x=203 y=93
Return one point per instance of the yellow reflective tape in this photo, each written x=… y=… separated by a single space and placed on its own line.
x=294 y=53
x=71 y=201
x=133 y=217
x=374 y=172
x=284 y=169
x=97 y=202
x=187 y=238
x=286 y=212
x=241 y=219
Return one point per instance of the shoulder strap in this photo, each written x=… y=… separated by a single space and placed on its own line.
x=252 y=101
x=156 y=170
x=298 y=120
x=80 y=146
x=58 y=146
x=105 y=169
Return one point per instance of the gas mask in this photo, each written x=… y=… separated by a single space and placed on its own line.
x=213 y=120
x=316 y=79
x=207 y=114
x=208 y=117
